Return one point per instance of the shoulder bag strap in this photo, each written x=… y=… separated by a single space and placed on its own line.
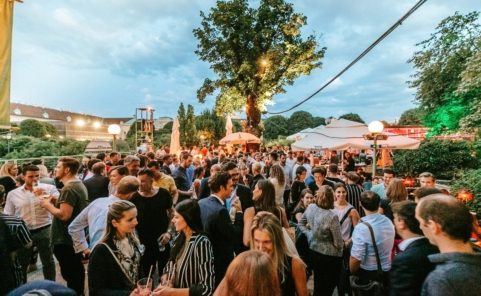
x=118 y=262
x=378 y=260
x=346 y=215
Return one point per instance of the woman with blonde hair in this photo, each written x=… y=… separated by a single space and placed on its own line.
x=267 y=236
x=395 y=192
x=278 y=179
x=115 y=261
x=250 y=273
x=8 y=175
x=323 y=230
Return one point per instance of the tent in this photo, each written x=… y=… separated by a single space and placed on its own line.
x=343 y=134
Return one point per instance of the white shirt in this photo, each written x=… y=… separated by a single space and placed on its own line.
x=24 y=204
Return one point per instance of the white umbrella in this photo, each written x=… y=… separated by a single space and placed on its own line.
x=228 y=126
x=175 y=137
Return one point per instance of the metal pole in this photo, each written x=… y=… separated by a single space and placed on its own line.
x=374 y=157
x=8 y=145
x=113 y=144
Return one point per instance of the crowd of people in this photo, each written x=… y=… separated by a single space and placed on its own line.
x=231 y=223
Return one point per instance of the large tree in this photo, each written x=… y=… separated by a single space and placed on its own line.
x=352 y=117
x=412 y=116
x=255 y=52
x=444 y=60
x=275 y=126
x=300 y=120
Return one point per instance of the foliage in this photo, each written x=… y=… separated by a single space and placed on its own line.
x=123 y=146
x=352 y=117
x=412 y=116
x=299 y=120
x=446 y=118
x=28 y=147
x=182 y=117
x=470 y=180
x=50 y=129
x=277 y=142
x=447 y=65
x=72 y=147
x=32 y=127
x=255 y=53
x=445 y=159
x=317 y=121
x=275 y=126
x=190 y=136
x=211 y=126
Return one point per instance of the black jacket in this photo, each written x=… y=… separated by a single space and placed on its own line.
x=97 y=186
x=221 y=232
x=411 y=267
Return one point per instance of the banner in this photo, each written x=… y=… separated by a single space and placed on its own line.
x=6 y=22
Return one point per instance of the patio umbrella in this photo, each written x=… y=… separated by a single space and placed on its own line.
x=240 y=138
x=175 y=137
x=228 y=126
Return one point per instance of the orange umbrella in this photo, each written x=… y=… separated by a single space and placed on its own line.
x=240 y=138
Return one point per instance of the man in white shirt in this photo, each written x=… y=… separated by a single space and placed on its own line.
x=94 y=216
x=381 y=189
x=24 y=202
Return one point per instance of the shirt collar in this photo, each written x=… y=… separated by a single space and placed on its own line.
x=405 y=243
x=218 y=198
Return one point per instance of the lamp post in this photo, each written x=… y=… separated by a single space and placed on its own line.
x=375 y=134
x=114 y=130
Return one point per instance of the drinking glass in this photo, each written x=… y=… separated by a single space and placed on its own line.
x=144 y=286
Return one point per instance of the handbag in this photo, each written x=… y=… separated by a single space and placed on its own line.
x=376 y=287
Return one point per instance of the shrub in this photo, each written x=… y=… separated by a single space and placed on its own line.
x=470 y=180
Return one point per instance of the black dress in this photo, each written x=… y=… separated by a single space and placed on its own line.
x=288 y=286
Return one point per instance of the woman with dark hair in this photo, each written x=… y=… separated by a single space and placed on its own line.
x=190 y=270
x=264 y=200
x=251 y=273
x=207 y=164
x=321 y=226
x=116 y=173
x=115 y=261
x=305 y=200
x=297 y=186
x=198 y=176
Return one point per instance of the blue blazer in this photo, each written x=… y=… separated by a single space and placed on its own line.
x=221 y=231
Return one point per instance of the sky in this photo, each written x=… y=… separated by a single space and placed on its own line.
x=109 y=57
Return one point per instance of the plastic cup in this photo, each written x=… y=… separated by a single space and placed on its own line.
x=144 y=286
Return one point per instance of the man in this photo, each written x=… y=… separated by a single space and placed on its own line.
x=72 y=200
x=363 y=258
x=332 y=174
x=421 y=192
x=447 y=223
x=427 y=180
x=89 y=174
x=161 y=179
x=354 y=192
x=204 y=183
x=154 y=210
x=166 y=162
x=411 y=266
x=287 y=170
x=24 y=203
x=132 y=162
x=114 y=158
x=98 y=184
x=243 y=192
x=94 y=216
x=290 y=161
x=217 y=224
x=319 y=174
x=181 y=179
x=380 y=189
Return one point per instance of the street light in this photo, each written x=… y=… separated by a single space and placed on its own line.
x=114 y=130
x=375 y=133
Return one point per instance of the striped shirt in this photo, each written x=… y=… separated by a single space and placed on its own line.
x=18 y=229
x=354 y=197
x=195 y=267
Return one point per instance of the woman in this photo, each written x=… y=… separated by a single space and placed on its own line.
x=250 y=273
x=267 y=237
x=297 y=186
x=278 y=179
x=396 y=192
x=114 y=263
x=245 y=179
x=190 y=270
x=116 y=173
x=325 y=241
x=305 y=200
x=264 y=200
x=198 y=176
x=8 y=174
x=348 y=218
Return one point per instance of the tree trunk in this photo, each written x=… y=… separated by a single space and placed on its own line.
x=253 y=116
